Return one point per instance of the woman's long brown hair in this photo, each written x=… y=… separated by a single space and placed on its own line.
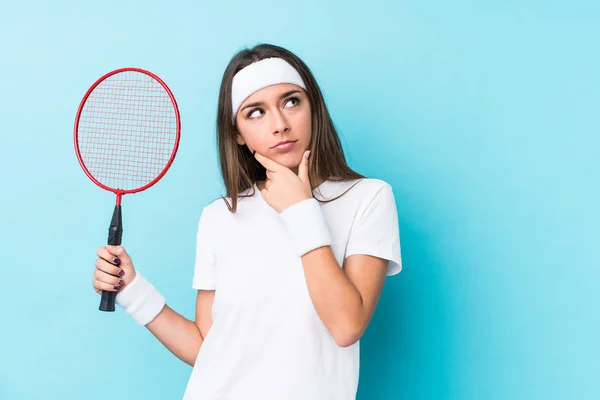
x=239 y=169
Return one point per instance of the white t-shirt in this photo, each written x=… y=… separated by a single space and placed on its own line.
x=267 y=341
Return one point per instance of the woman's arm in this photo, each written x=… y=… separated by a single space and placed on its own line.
x=139 y=298
x=181 y=336
x=345 y=299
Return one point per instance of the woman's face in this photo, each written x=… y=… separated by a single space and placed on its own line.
x=272 y=115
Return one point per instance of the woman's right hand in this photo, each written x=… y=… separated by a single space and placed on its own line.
x=114 y=269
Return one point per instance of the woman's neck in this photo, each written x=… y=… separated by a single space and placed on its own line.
x=261 y=184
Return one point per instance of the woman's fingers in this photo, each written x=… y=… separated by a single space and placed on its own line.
x=108 y=268
x=107 y=277
x=100 y=285
x=102 y=276
x=114 y=269
x=116 y=254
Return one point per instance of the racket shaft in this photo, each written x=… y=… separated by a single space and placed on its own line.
x=115 y=232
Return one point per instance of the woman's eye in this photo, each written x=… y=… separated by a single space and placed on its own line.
x=254 y=113
x=293 y=100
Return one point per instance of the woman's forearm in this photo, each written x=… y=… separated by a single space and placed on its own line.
x=336 y=300
x=180 y=335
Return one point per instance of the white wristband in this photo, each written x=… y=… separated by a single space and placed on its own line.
x=140 y=300
x=306 y=225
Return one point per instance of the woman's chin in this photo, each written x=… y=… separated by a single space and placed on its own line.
x=290 y=160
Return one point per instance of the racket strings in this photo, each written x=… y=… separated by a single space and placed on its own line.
x=127 y=130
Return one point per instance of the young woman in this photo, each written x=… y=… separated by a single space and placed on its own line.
x=290 y=263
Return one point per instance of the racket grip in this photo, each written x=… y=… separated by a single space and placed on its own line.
x=107 y=303
x=115 y=232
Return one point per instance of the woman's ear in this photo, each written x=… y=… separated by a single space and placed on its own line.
x=239 y=139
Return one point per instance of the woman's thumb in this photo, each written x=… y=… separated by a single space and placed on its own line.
x=119 y=252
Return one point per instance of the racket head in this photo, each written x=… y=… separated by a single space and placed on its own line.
x=127 y=130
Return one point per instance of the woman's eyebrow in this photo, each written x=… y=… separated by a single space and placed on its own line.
x=284 y=95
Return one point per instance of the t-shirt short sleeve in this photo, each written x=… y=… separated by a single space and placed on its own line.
x=205 y=267
x=376 y=231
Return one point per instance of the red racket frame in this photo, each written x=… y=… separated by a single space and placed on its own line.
x=121 y=192
x=107 y=302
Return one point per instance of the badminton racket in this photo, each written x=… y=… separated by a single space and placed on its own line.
x=126 y=136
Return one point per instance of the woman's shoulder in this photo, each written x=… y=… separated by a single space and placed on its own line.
x=363 y=188
x=217 y=206
x=221 y=205
x=374 y=184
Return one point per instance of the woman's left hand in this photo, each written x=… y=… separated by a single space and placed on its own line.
x=283 y=187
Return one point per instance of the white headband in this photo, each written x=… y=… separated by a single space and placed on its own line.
x=258 y=75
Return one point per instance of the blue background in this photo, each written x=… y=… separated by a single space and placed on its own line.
x=482 y=115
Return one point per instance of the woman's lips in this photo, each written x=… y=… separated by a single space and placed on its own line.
x=284 y=146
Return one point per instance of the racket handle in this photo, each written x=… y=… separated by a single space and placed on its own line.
x=115 y=232
x=107 y=303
